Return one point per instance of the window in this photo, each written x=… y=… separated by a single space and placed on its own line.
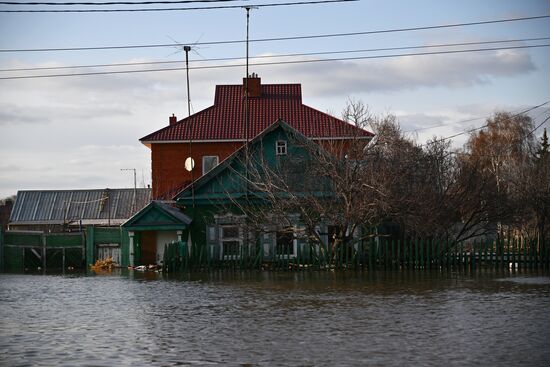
x=209 y=162
x=286 y=243
x=230 y=241
x=280 y=147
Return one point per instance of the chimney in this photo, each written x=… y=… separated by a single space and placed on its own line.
x=173 y=120
x=254 y=85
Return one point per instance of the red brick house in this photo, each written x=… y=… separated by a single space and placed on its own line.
x=211 y=135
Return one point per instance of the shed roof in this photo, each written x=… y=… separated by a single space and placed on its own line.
x=225 y=120
x=100 y=206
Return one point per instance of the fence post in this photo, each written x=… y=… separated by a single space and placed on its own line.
x=439 y=253
x=411 y=255
x=1 y=250
x=429 y=253
x=44 y=260
x=473 y=256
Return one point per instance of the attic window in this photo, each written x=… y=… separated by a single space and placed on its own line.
x=280 y=147
x=209 y=162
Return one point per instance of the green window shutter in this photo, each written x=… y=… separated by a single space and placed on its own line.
x=267 y=240
x=212 y=233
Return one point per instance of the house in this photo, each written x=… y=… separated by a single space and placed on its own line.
x=218 y=200
x=213 y=134
x=197 y=167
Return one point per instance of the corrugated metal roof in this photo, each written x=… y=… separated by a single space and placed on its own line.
x=226 y=119
x=65 y=206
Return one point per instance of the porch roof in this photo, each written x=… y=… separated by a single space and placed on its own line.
x=158 y=216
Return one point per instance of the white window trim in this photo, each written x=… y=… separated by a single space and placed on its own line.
x=294 y=245
x=206 y=157
x=221 y=240
x=284 y=146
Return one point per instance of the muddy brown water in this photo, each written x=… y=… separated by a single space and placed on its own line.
x=275 y=319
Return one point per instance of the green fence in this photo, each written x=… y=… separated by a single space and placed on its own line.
x=32 y=251
x=375 y=254
x=36 y=251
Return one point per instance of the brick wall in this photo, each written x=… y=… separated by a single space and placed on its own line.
x=169 y=175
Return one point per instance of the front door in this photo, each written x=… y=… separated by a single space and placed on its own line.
x=148 y=248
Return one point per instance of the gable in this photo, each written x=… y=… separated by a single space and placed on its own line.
x=158 y=216
x=228 y=180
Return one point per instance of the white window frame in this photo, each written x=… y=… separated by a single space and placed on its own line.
x=294 y=244
x=204 y=157
x=223 y=239
x=281 y=147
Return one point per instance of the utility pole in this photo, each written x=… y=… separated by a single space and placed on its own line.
x=134 y=204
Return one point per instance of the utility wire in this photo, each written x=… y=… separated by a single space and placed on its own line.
x=485 y=125
x=116 y=2
x=281 y=55
x=539 y=125
x=458 y=153
x=277 y=63
x=176 y=9
x=454 y=123
x=292 y=38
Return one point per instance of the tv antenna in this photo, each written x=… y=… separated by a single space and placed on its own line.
x=186 y=49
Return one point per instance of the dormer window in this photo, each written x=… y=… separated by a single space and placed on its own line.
x=280 y=147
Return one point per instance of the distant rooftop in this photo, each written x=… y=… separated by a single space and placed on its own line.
x=92 y=207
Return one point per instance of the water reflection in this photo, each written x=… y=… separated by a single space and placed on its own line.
x=275 y=318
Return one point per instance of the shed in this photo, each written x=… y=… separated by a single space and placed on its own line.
x=73 y=210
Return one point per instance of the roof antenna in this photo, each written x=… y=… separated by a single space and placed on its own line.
x=187 y=49
x=189 y=163
x=246 y=92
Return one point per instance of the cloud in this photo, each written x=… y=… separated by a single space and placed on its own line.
x=13 y=114
x=407 y=73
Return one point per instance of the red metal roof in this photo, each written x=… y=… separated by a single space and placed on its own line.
x=225 y=120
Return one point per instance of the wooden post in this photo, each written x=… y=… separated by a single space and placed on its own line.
x=44 y=253
x=473 y=256
x=428 y=253
x=131 y=249
x=1 y=250
x=411 y=257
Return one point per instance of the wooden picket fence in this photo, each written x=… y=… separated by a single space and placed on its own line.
x=376 y=254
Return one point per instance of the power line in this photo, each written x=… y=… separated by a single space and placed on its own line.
x=496 y=155
x=276 y=63
x=539 y=125
x=291 y=38
x=452 y=123
x=485 y=125
x=117 y=2
x=175 y=9
x=281 y=55
x=446 y=124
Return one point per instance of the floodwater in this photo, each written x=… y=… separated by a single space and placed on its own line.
x=275 y=319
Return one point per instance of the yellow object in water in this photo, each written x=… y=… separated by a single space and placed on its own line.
x=104 y=264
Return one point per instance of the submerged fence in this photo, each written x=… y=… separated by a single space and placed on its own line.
x=22 y=251
x=376 y=254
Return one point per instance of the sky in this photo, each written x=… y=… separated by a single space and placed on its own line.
x=78 y=132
